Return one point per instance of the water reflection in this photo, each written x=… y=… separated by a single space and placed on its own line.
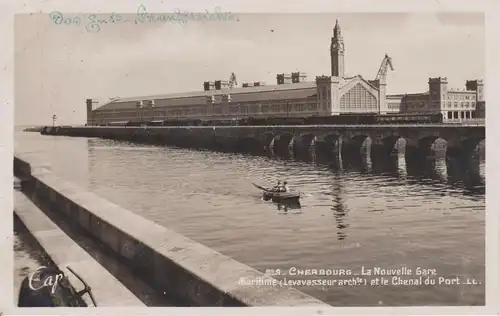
x=339 y=208
x=448 y=173
x=401 y=165
x=294 y=207
x=336 y=163
x=482 y=170
x=362 y=163
x=441 y=169
x=398 y=220
x=367 y=163
x=467 y=173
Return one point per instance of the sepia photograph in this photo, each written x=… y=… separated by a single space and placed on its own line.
x=221 y=159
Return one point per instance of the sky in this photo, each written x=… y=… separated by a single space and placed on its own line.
x=56 y=67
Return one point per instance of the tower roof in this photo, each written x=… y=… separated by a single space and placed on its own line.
x=336 y=29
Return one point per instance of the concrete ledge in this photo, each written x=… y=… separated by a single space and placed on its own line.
x=24 y=170
x=65 y=252
x=174 y=264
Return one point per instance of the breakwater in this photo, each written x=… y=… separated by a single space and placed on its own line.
x=173 y=264
x=37 y=129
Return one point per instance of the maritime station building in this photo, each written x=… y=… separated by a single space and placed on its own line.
x=294 y=96
x=453 y=104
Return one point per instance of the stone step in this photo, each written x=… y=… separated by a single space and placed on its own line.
x=64 y=251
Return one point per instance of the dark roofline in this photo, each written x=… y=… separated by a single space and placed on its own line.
x=350 y=78
x=411 y=94
x=201 y=93
x=239 y=90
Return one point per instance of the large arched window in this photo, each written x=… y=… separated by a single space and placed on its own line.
x=358 y=98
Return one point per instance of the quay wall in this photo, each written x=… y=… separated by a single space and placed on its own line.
x=171 y=263
x=460 y=138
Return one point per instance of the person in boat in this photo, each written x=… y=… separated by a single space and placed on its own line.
x=285 y=187
x=277 y=187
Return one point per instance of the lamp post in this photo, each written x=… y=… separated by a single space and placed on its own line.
x=140 y=106
x=213 y=103
x=229 y=106
x=152 y=103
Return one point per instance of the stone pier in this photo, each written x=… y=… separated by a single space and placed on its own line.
x=461 y=139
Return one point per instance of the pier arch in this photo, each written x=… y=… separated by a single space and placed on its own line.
x=307 y=140
x=282 y=142
x=334 y=142
x=472 y=143
x=427 y=141
x=432 y=144
x=394 y=144
x=360 y=143
x=267 y=139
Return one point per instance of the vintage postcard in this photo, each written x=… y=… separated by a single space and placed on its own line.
x=212 y=157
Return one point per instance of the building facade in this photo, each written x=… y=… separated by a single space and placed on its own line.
x=292 y=95
x=453 y=104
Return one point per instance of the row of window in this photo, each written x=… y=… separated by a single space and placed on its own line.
x=405 y=118
x=204 y=110
x=461 y=97
x=449 y=104
x=461 y=104
x=460 y=114
x=245 y=109
x=415 y=105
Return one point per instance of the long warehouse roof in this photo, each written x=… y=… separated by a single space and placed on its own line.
x=299 y=90
x=247 y=94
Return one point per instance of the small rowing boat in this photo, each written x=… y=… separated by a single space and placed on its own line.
x=276 y=196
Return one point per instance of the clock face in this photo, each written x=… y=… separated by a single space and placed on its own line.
x=334 y=45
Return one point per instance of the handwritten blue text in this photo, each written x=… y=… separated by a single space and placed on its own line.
x=93 y=22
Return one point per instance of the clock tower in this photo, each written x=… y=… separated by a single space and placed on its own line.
x=337 y=52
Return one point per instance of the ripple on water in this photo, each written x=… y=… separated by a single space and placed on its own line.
x=396 y=214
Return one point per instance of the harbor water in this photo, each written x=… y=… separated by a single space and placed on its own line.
x=355 y=215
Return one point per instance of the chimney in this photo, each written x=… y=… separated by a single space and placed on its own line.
x=217 y=85
x=471 y=85
x=298 y=77
x=206 y=85
x=280 y=78
x=89 y=112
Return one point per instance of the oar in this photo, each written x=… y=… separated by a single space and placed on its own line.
x=259 y=187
